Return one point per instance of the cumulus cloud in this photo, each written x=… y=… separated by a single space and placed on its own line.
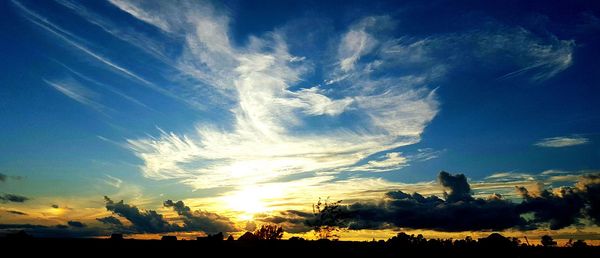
x=461 y=211
x=561 y=141
x=150 y=221
x=564 y=206
x=201 y=220
x=143 y=221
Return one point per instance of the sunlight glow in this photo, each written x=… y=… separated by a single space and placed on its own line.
x=252 y=200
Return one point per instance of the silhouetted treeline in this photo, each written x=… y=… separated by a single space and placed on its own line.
x=266 y=243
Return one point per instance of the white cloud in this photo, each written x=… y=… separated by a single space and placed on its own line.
x=272 y=134
x=72 y=89
x=314 y=103
x=355 y=44
x=266 y=140
x=562 y=141
x=139 y=13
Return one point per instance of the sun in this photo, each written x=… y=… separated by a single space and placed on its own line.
x=251 y=200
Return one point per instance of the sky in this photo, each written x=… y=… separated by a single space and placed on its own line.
x=248 y=112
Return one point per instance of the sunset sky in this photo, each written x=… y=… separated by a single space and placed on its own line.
x=250 y=111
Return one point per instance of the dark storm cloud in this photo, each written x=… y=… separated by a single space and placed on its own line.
x=291 y=221
x=201 y=220
x=13 y=198
x=143 y=221
x=564 y=206
x=149 y=221
x=460 y=211
x=110 y=220
x=76 y=224
x=589 y=188
x=460 y=190
x=419 y=212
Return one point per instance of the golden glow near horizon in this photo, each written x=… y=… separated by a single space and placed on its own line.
x=251 y=200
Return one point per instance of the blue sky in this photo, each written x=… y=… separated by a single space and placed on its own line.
x=207 y=101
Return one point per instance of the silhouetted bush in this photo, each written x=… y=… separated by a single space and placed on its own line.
x=269 y=232
x=547 y=241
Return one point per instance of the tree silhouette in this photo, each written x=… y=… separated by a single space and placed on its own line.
x=328 y=218
x=547 y=241
x=577 y=244
x=269 y=232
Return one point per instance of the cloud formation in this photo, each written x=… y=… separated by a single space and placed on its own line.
x=74 y=90
x=75 y=224
x=143 y=221
x=562 y=141
x=564 y=206
x=150 y=221
x=13 y=198
x=110 y=220
x=461 y=211
x=201 y=220
x=16 y=212
x=271 y=108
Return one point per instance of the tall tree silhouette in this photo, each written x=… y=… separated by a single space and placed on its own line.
x=328 y=219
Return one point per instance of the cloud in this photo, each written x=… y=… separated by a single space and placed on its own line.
x=4 y=177
x=461 y=211
x=459 y=188
x=271 y=131
x=13 y=198
x=110 y=220
x=282 y=116
x=55 y=206
x=564 y=206
x=201 y=220
x=75 y=224
x=16 y=212
x=75 y=91
x=143 y=221
x=150 y=221
x=78 y=44
x=562 y=141
x=355 y=44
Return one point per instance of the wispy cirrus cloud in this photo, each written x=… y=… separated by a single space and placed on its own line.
x=80 y=45
x=561 y=141
x=270 y=133
x=377 y=94
x=267 y=138
x=75 y=91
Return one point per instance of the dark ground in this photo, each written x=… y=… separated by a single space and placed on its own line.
x=279 y=248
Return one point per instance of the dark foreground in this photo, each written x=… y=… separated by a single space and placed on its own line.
x=279 y=248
